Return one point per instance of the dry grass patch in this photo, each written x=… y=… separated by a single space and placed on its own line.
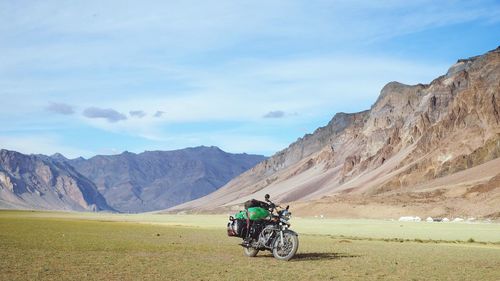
x=44 y=248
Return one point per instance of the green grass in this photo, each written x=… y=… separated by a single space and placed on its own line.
x=76 y=246
x=359 y=228
x=380 y=229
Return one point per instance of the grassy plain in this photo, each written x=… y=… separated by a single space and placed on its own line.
x=85 y=246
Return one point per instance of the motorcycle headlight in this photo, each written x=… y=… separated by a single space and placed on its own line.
x=285 y=217
x=286 y=214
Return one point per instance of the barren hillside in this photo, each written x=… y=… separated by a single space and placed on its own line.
x=426 y=149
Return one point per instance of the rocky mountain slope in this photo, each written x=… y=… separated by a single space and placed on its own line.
x=38 y=182
x=426 y=149
x=155 y=180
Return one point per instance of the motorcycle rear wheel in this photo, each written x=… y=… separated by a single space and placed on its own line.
x=250 y=252
x=286 y=251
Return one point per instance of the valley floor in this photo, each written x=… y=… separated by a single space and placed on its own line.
x=86 y=246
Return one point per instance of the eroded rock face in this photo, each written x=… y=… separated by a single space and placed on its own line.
x=34 y=181
x=410 y=136
x=6 y=182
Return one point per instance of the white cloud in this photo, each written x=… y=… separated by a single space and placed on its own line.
x=308 y=87
x=210 y=23
x=303 y=85
x=57 y=35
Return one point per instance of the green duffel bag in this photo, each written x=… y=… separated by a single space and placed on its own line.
x=254 y=213
x=241 y=215
x=257 y=213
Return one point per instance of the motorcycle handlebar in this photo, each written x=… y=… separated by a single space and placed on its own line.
x=274 y=206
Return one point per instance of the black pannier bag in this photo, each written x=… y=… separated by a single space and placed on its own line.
x=256 y=228
x=236 y=227
x=252 y=203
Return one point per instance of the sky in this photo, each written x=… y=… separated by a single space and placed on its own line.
x=101 y=77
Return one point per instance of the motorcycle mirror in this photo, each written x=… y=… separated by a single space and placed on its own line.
x=267 y=197
x=287 y=206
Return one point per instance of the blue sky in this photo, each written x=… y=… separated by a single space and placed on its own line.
x=100 y=77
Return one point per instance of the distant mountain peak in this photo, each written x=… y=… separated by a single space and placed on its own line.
x=58 y=156
x=154 y=180
x=204 y=147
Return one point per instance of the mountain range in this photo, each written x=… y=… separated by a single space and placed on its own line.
x=128 y=182
x=426 y=149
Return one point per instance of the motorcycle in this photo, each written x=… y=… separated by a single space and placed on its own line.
x=271 y=233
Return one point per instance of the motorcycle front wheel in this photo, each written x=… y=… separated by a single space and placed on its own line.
x=286 y=250
x=250 y=252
